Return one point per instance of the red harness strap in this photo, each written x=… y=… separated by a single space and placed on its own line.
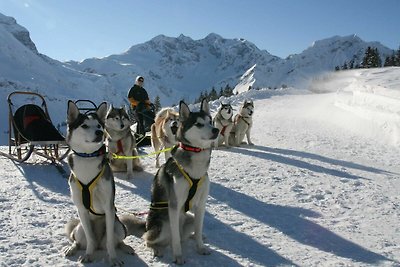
x=120 y=148
x=223 y=131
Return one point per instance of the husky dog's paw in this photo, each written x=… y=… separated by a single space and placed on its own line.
x=86 y=258
x=70 y=250
x=203 y=250
x=179 y=260
x=251 y=144
x=158 y=252
x=116 y=262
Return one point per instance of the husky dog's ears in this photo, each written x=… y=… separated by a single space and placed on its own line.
x=248 y=102
x=102 y=111
x=204 y=106
x=184 y=111
x=72 y=111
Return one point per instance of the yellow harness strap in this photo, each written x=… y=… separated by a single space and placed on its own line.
x=193 y=183
x=87 y=189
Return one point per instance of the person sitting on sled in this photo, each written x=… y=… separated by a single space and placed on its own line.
x=141 y=106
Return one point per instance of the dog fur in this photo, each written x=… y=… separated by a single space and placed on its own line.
x=126 y=225
x=163 y=132
x=98 y=224
x=243 y=123
x=171 y=224
x=223 y=121
x=121 y=141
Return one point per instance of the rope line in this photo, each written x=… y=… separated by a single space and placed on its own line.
x=115 y=156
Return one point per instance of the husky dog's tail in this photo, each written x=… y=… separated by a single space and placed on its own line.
x=134 y=225
x=69 y=228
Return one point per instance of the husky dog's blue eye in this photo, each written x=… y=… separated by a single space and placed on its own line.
x=84 y=126
x=199 y=124
x=98 y=126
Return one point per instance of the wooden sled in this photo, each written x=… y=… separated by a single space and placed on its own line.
x=30 y=130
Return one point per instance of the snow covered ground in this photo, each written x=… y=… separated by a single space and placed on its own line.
x=320 y=187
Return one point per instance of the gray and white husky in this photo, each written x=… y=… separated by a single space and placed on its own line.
x=121 y=141
x=180 y=187
x=223 y=121
x=93 y=190
x=243 y=122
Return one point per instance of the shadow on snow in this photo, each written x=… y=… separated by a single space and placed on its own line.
x=292 y=222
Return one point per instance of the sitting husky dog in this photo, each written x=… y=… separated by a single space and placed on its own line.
x=92 y=187
x=242 y=124
x=121 y=141
x=182 y=185
x=223 y=121
x=163 y=132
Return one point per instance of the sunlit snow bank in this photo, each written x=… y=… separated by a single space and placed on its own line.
x=373 y=94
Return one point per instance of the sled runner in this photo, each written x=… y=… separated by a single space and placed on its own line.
x=31 y=130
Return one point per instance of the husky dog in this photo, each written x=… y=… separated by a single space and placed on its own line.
x=121 y=141
x=163 y=132
x=242 y=124
x=92 y=187
x=223 y=121
x=182 y=185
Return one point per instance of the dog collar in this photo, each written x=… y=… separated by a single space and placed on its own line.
x=190 y=148
x=97 y=153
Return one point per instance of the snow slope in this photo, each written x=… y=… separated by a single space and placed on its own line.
x=319 y=187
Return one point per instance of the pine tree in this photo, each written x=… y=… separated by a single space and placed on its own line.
x=213 y=94
x=228 y=91
x=221 y=92
x=397 y=58
x=157 y=104
x=366 y=63
x=351 y=64
x=377 y=61
x=372 y=58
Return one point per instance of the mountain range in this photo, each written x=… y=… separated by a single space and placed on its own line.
x=174 y=68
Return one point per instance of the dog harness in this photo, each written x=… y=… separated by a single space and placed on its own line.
x=222 y=132
x=241 y=117
x=193 y=183
x=86 y=190
x=120 y=147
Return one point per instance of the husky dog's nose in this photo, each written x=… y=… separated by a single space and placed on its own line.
x=122 y=126
x=99 y=136
x=215 y=133
x=174 y=127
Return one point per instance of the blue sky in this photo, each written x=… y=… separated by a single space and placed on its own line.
x=72 y=29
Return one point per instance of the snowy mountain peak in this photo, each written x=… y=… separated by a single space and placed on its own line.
x=19 y=32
